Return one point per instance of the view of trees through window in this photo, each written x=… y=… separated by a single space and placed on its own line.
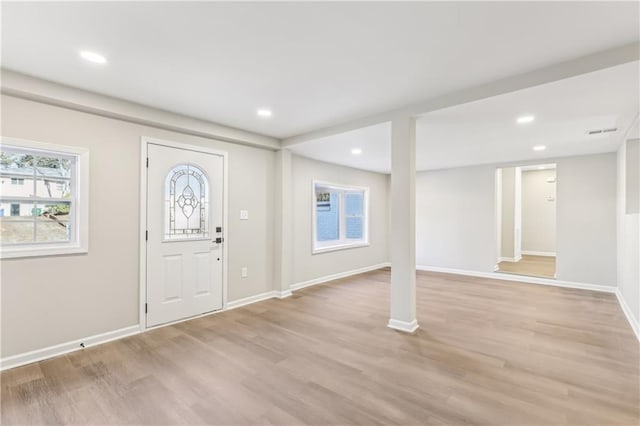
x=36 y=196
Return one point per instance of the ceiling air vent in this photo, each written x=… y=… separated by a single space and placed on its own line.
x=598 y=131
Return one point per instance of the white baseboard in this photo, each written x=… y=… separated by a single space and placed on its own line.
x=326 y=278
x=635 y=325
x=64 y=348
x=510 y=259
x=252 y=299
x=539 y=253
x=407 y=327
x=520 y=278
x=283 y=294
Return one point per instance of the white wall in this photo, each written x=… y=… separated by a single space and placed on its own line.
x=498 y=216
x=628 y=234
x=538 y=212
x=517 y=222
x=52 y=300
x=456 y=218
x=508 y=213
x=307 y=266
x=586 y=219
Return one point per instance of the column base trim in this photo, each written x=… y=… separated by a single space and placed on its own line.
x=407 y=327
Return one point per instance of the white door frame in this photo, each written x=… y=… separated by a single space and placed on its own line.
x=144 y=144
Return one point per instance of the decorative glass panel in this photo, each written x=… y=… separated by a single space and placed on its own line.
x=186 y=203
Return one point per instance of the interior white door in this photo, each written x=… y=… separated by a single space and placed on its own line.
x=184 y=240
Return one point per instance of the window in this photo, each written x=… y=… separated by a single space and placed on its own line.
x=43 y=199
x=339 y=217
x=186 y=203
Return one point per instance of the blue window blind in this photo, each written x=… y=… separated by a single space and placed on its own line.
x=328 y=219
x=353 y=215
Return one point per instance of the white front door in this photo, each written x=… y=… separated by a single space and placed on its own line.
x=184 y=220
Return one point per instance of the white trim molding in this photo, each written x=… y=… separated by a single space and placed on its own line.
x=326 y=278
x=407 y=327
x=251 y=299
x=635 y=325
x=510 y=259
x=283 y=294
x=79 y=212
x=520 y=278
x=274 y=294
x=65 y=348
x=539 y=253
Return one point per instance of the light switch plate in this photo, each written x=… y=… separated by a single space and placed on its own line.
x=244 y=272
x=244 y=214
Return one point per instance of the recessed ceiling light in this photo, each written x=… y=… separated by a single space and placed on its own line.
x=539 y=148
x=525 y=119
x=264 y=113
x=94 y=57
x=356 y=151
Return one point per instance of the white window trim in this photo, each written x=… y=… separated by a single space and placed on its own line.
x=342 y=244
x=80 y=243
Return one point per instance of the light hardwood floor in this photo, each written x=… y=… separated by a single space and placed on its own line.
x=536 y=266
x=487 y=352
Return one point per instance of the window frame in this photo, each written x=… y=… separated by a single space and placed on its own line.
x=79 y=214
x=342 y=243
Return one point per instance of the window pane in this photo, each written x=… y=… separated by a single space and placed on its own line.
x=327 y=216
x=354 y=228
x=353 y=212
x=51 y=188
x=186 y=203
x=15 y=230
x=51 y=228
x=38 y=203
x=50 y=166
x=16 y=209
x=13 y=186
x=52 y=222
x=353 y=203
x=15 y=161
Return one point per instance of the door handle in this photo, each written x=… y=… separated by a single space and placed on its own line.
x=218 y=240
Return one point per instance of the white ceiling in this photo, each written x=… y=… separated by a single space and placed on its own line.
x=486 y=131
x=375 y=142
x=313 y=64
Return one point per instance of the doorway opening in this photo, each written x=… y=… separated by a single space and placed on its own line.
x=526 y=220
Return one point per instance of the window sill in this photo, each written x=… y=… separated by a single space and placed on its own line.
x=53 y=250
x=343 y=246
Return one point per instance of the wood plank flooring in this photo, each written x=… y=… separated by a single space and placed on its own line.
x=487 y=352
x=536 y=266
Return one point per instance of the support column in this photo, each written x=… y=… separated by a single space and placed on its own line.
x=403 y=225
x=283 y=250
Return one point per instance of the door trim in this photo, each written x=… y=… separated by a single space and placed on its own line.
x=144 y=144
